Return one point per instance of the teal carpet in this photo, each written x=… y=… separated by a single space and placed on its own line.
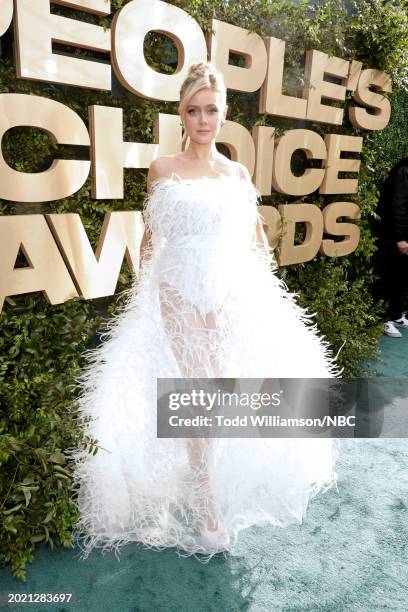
x=351 y=553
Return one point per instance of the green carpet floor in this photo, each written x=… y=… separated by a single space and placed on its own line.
x=351 y=553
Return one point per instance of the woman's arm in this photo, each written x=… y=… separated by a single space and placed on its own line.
x=146 y=244
x=160 y=167
x=260 y=237
x=145 y=248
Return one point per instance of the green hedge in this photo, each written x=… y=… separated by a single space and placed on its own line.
x=41 y=346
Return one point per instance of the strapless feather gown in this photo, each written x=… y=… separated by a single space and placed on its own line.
x=206 y=304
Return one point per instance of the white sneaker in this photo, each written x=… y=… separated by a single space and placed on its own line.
x=402 y=322
x=391 y=330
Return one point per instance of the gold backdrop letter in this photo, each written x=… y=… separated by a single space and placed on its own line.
x=284 y=180
x=311 y=216
x=336 y=143
x=6 y=15
x=129 y=28
x=271 y=99
x=359 y=117
x=46 y=271
x=318 y=64
x=98 y=7
x=227 y=37
x=35 y=30
x=350 y=231
x=354 y=75
x=110 y=154
x=97 y=274
x=264 y=139
x=64 y=177
x=239 y=142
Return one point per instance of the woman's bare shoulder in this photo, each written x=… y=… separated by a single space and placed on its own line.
x=242 y=171
x=236 y=168
x=165 y=163
x=161 y=167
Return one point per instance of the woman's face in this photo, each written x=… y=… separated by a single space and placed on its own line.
x=203 y=116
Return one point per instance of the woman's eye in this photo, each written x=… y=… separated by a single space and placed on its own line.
x=191 y=111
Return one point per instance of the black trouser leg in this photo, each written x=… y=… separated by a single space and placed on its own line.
x=394 y=279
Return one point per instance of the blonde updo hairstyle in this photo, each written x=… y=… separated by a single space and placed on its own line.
x=201 y=75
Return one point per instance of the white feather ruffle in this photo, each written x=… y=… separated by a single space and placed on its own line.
x=206 y=304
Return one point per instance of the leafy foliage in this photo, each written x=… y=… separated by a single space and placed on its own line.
x=41 y=346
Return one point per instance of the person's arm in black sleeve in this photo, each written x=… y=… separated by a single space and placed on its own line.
x=399 y=206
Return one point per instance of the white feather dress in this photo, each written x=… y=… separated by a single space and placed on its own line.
x=206 y=304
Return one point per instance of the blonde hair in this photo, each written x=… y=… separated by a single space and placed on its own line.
x=201 y=75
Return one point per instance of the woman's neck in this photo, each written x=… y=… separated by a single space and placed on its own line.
x=203 y=153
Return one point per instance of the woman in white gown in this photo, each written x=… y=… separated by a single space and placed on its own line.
x=206 y=304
